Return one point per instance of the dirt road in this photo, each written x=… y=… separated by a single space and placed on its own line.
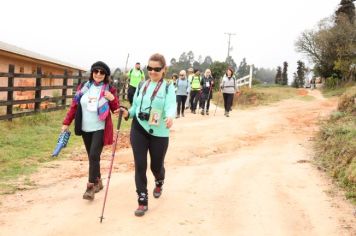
x=248 y=174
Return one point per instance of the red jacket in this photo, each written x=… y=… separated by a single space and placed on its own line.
x=108 y=130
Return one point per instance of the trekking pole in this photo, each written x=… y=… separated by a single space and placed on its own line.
x=111 y=163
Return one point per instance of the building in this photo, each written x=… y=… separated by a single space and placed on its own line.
x=26 y=62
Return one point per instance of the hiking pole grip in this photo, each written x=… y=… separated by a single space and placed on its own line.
x=120 y=119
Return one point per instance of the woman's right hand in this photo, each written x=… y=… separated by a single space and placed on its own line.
x=64 y=128
x=125 y=112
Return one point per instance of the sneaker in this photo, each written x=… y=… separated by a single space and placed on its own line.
x=227 y=114
x=140 y=211
x=177 y=116
x=157 y=191
x=193 y=111
x=98 y=185
x=202 y=112
x=207 y=113
x=182 y=114
x=89 y=192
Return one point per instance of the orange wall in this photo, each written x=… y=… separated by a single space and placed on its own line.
x=29 y=67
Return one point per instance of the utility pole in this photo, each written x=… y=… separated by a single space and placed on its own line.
x=127 y=60
x=229 y=47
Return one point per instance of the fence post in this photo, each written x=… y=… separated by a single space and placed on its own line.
x=10 y=93
x=64 y=90
x=250 y=82
x=38 y=91
x=79 y=82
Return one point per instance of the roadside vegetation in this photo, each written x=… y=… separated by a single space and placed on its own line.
x=336 y=144
x=27 y=142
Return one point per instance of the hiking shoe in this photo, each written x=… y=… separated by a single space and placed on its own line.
x=193 y=111
x=177 y=116
x=140 y=211
x=202 y=112
x=157 y=191
x=98 y=185
x=89 y=192
x=207 y=113
x=182 y=114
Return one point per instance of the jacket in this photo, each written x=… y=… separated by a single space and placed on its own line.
x=108 y=130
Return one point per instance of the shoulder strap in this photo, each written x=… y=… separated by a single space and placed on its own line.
x=139 y=87
x=130 y=73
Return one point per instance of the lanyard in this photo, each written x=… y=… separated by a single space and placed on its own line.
x=155 y=91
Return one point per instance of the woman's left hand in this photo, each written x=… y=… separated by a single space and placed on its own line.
x=109 y=96
x=169 y=122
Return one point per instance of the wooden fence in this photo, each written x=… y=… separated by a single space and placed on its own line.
x=39 y=102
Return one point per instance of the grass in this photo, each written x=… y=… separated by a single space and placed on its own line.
x=336 y=146
x=336 y=92
x=27 y=142
x=262 y=95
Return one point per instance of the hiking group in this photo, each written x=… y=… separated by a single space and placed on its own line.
x=155 y=103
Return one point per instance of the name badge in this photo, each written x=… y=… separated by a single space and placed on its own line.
x=155 y=117
x=92 y=104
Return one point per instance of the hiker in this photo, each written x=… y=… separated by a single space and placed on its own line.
x=91 y=108
x=207 y=84
x=153 y=110
x=195 y=90
x=183 y=89
x=228 y=87
x=189 y=77
x=135 y=76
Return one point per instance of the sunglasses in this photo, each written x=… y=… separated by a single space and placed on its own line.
x=156 y=69
x=100 y=72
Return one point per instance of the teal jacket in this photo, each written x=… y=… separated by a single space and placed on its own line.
x=164 y=104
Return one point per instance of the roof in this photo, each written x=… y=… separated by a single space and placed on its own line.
x=26 y=53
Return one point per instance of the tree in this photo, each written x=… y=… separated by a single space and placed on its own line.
x=278 y=77
x=346 y=8
x=284 y=80
x=330 y=47
x=218 y=70
x=295 y=80
x=300 y=74
x=230 y=61
x=243 y=69
x=265 y=75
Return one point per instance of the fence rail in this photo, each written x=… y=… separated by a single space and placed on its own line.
x=38 y=101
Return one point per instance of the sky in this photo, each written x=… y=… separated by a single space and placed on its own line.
x=81 y=32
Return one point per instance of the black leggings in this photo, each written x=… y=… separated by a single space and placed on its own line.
x=130 y=93
x=205 y=98
x=194 y=97
x=228 y=98
x=94 y=143
x=142 y=142
x=181 y=103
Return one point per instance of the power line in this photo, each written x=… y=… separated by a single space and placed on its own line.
x=229 y=48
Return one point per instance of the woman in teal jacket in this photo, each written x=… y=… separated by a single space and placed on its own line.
x=153 y=110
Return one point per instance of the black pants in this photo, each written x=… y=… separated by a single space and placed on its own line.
x=181 y=103
x=194 y=97
x=228 y=98
x=205 y=98
x=142 y=142
x=94 y=142
x=130 y=93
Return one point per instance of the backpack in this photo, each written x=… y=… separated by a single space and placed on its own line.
x=141 y=72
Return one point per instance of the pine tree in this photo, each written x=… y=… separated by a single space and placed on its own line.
x=300 y=74
x=285 y=74
x=347 y=8
x=278 y=77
